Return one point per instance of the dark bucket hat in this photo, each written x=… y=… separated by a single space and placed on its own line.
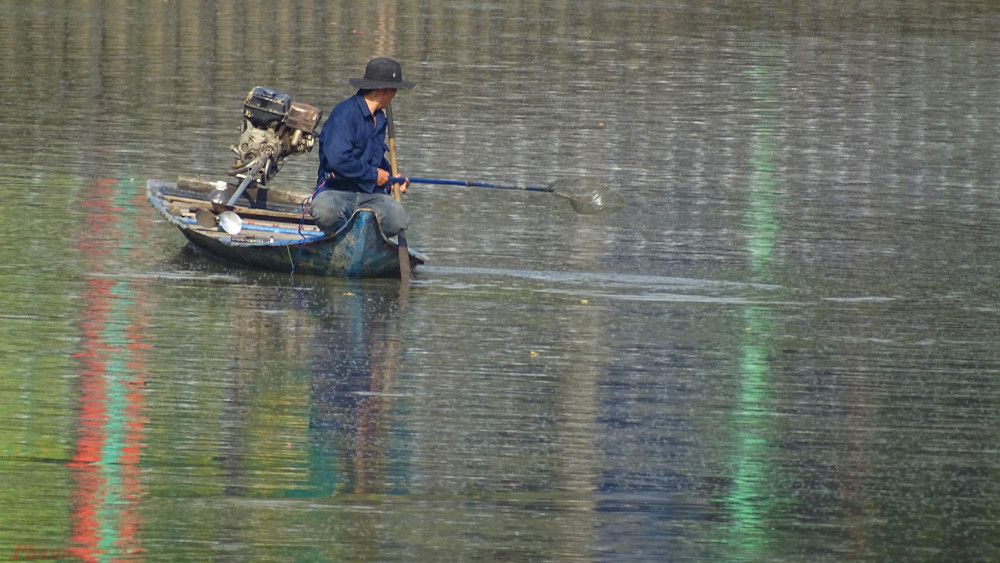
x=382 y=72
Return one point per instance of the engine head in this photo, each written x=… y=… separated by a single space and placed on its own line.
x=274 y=127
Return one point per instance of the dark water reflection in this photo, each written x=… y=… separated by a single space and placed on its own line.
x=783 y=350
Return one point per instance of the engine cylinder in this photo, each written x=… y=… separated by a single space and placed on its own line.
x=274 y=126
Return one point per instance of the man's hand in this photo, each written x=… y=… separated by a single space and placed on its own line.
x=384 y=176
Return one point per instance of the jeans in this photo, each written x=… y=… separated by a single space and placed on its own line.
x=332 y=208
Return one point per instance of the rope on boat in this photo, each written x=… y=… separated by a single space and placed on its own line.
x=302 y=222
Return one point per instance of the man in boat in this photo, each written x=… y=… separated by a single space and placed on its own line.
x=353 y=170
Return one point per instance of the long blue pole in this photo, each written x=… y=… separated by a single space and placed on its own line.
x=474 y=184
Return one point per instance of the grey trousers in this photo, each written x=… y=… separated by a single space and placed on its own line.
x=332 y=208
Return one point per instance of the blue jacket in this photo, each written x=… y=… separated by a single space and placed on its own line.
x=352 y=147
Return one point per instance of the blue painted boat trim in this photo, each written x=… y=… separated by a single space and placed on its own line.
x=306 y=235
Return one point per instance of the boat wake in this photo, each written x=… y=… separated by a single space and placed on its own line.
x=600 y=285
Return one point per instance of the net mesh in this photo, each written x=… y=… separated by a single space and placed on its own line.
x=589 y=198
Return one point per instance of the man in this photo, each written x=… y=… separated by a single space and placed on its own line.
x=353 y=170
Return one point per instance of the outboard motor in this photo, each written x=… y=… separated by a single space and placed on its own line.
x=274 y=127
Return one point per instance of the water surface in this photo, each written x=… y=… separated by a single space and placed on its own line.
x=782 y=349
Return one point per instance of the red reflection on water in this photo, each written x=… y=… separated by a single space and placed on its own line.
x=91 y=420
x=110 y=422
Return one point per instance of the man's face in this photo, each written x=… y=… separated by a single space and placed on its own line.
x=384 y=96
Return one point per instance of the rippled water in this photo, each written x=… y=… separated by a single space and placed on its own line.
x=782 y=349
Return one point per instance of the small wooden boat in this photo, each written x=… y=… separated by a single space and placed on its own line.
x=277 y=233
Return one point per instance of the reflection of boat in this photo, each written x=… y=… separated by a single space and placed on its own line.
x=276 y=233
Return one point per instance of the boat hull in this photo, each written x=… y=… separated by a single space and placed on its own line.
x=278 y=236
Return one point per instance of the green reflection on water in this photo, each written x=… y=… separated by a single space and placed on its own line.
x=750 y=499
